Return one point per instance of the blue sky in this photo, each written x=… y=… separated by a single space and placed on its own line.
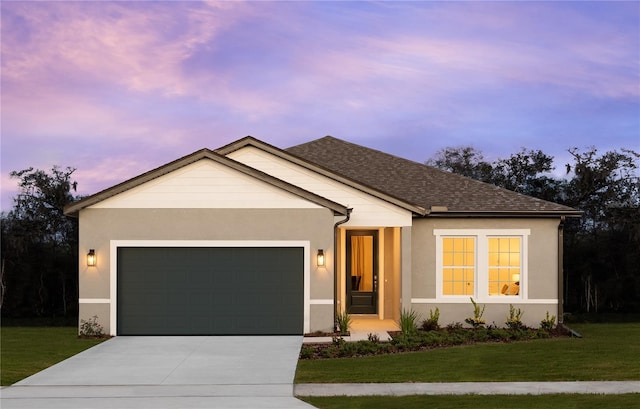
x=117 y=88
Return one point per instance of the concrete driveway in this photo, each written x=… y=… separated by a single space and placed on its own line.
x=168 y=372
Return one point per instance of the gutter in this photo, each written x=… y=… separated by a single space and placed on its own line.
x=561 y=270
x=503 y=214
x=335 y=264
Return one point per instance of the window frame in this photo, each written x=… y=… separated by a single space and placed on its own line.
x=481 y=275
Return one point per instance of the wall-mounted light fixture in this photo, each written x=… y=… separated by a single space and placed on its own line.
x=91 y=258
x=320 y=258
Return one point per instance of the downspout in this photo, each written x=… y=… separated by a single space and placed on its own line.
x=561 y=270
x=335 y=265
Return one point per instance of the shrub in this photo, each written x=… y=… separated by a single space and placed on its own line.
x=514 y=320
x=338 y=341
x=548 y=323
x=406 y=342
x=481 y=335
x=367 y=347
x=431 y=324
x=306 y=352
x=373 y=338
x=330 y=352
x=408 y=321
x=476 y=321
x=454 y=326
x=91 y=327
x=348 y=349
x=343 y=322
x=499 y=334
x=542 y=333
x=432 y=339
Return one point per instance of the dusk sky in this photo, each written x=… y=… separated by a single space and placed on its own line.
x=118 y=88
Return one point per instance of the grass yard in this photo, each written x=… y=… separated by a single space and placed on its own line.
x=606 y=352
x=27 y=350
x=568 y=401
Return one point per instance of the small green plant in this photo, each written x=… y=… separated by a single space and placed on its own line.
x=373 y=338
x=514 y=320
x=548 y=323
x=91 y=328
x=338 y=341
x=476 y=321
x=454 y=326
x=408 y=320
x=306 y=352
x=431 y=324
x=343 y=321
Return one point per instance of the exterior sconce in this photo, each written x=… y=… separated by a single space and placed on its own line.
x=320 y=258
x=91 y=258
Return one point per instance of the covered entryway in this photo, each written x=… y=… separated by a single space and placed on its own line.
x=210 y=290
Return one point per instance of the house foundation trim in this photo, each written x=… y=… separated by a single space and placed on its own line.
x=94 y=301
x=498 y=300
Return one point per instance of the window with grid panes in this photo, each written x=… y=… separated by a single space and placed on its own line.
x=504 y=265
x=458 y=265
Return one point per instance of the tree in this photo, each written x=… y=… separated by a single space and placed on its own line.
x=605 y=243
x=465 y=160
x=39 y=245
x=526 y=172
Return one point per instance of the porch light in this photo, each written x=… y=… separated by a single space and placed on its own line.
x=320 y=258
x=91 y=258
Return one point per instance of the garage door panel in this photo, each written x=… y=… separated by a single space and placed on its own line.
x=181 y=291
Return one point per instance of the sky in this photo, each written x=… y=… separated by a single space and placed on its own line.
x=115 y=89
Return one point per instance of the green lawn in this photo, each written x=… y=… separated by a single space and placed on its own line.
x=27 y=350
x=567 y=401
x=606 y=352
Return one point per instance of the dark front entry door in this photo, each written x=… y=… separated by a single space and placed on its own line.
x=362 y=271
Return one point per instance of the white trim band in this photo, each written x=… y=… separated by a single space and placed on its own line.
x=497 y=300
x=318 y=301
x=94 y=301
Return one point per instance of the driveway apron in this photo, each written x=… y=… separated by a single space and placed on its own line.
x=168 y=372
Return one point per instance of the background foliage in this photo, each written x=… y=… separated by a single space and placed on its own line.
x=39 y=270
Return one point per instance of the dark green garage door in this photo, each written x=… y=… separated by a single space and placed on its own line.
x=210 y=291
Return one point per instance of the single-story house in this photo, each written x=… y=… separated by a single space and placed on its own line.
x=253 y=239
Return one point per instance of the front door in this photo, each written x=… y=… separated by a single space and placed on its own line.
x=362 y=271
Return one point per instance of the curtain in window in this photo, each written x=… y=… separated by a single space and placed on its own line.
x=362 y=263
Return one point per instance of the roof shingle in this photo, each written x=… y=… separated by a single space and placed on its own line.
x=419 y=184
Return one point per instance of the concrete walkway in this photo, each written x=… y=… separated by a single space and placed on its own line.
x=462 y=388
x=167 y=372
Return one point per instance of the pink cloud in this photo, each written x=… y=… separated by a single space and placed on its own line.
x=140 y=48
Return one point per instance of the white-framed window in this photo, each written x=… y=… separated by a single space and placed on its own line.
x=486 y=264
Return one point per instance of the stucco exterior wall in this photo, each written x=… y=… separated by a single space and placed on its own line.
x=541 y=279
x=99 y=226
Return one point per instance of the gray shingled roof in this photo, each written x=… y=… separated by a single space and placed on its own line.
x=419 y=184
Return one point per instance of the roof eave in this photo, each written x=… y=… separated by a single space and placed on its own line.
x=506 y=214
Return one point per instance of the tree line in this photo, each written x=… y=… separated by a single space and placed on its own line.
x=39 y=263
